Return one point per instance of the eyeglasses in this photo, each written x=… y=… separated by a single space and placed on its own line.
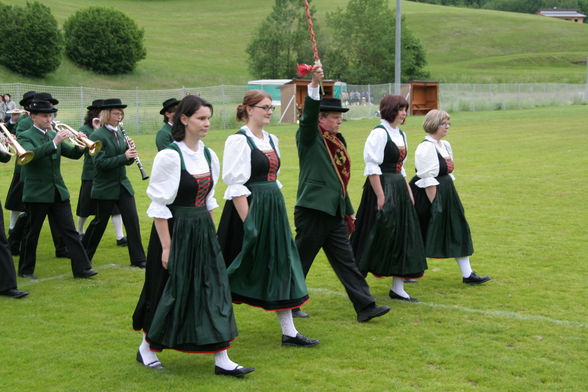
x=267 y=108
x=445 y=124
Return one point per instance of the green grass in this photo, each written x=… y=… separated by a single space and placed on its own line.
x=200 y=43
x=521 y=177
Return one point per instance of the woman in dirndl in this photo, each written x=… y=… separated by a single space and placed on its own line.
x=444 y=228
x=193 y=312
x=387 y=239
x=264 y=266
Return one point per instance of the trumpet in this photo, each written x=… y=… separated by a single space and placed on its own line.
x=10 y=146
x=131 y=144
x=93 y=147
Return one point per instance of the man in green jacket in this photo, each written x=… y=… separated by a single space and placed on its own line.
x=45 y=192
x=323 y=213
x=163 y=138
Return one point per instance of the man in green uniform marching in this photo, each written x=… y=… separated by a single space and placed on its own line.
x=164 y=137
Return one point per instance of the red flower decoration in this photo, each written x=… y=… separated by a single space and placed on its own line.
x=303 y=69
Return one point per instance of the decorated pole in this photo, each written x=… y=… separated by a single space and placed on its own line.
x=303 y=69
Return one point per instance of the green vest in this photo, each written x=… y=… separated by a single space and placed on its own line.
x=88 y=171
x=164 y=137
x=319 y=187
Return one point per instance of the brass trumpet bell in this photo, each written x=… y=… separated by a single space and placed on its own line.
x=75 y=139
x=10 y=146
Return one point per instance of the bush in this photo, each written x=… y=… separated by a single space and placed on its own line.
x=32 y=43
x=103 y=40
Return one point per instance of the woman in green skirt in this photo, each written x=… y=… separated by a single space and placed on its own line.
x=194 y=313
x=444 y=228
x=264 y=266
x=387 y=239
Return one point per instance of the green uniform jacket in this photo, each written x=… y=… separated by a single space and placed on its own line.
x=23 y=123
x=163 y=137
x=110 y=164
x=319 y=187
x=88 y=171
x=42 y=175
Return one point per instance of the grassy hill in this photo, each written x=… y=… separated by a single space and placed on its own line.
x=199 y=43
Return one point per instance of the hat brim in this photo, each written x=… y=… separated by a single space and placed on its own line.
x=112 y=106
x=16 y=111
x=333 y=109
x=43 y=110
x=166 y=108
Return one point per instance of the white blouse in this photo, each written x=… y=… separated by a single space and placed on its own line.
x=373 y=151
x=237 y=161
x=427 y=163
x=165 y=177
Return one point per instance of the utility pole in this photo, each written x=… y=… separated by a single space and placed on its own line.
x=397 y=51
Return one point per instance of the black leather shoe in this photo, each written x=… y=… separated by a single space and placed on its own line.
x=475 y=279
x=122 y=242
x=85 y=274
x=156 y=365
x=370 y=313
x=141 y=264
x=299 y=341
x=299 y=313
x=29 y=276
x=236 y=372
x=393 y=295
x=14 y=293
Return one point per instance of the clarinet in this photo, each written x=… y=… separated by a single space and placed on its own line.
x=131 y=144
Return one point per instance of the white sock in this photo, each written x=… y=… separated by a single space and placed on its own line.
x=81 y=224
x=222 y=360
x=13 y=218
x=398 y=287
x=147 y=355
x=118 y=226
x=287 y=323
x=464 y=266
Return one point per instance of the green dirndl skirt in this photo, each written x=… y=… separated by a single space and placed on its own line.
x=267 y=272
x=392 y=245
x=195 y=313
x=448 y=233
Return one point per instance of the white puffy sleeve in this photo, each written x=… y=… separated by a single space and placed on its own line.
x=426 y=164
x=373 y=151
x=450 y=151
x=276 y=144
x=211 y=202
x=236 y=166
x=163 y=183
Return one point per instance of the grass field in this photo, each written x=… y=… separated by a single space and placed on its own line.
x=522 y=178
x=196 y=43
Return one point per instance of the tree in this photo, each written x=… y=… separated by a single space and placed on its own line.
x=32 y=43
x=362 y=50
x=281 y=42
x=104 y=40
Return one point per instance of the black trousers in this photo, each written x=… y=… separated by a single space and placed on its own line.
x=315 y=230
x=60 y=212
x=128 y=211
x=17 y=234
x=7 y=272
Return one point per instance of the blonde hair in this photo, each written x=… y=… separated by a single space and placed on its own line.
x=105 y=115
x=433 y=120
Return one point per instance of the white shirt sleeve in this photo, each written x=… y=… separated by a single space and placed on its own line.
x=211 y=202
x=373 y=151
x=427 y=165
x=163 y=184
x=276 y=144
x=236 y=166
x=314 y=92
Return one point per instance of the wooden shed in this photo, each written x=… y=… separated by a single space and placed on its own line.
x=424 y=96
x=292 y=95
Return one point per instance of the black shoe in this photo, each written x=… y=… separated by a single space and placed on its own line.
x=370 y=313
x=29 y=276
x=393 y=295
x=14 y=293
x=298 y=313
x=85 y=274
x=140 y=264
x=299 y=341
x=156 y=365
x=236 y=372
x=122 y=242
x=475 y=279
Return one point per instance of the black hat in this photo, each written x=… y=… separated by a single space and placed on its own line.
x=112 y=103
x=332 y=105
x=37 y=106
x=168 y=103
x=26 y=98
x=45 y=97
x=96 y=104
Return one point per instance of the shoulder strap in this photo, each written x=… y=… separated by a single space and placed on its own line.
x=249 y=141
x=175 y=147
x=208 y=158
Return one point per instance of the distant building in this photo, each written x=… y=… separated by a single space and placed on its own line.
x=571 y=15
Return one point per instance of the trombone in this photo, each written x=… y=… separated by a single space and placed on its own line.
x=93 y=147
x=9 y=145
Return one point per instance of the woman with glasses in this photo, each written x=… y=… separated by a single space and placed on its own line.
x=444 y=228
x=387 y=239
x=263 y=263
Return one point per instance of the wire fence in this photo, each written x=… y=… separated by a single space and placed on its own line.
x=142 y=114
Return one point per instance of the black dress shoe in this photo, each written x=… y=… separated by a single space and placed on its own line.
x=14 y=293
x=85 y=274
x=299 y=313
x=299 y=341
x=393 y=295
x=141 y=264
x=156 y=365
x=236 y=372
x=29 y=276
x=370 y=313
x=122 y=242
x=475 y=279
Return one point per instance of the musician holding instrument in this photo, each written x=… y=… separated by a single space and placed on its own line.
x=111 y=187
x=45 y=193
